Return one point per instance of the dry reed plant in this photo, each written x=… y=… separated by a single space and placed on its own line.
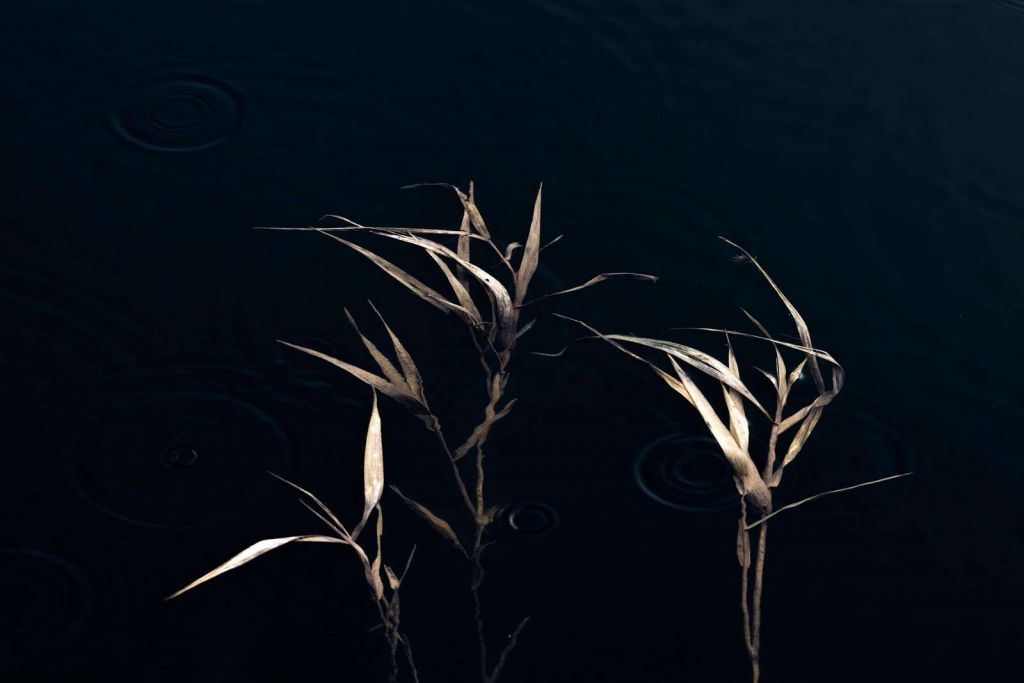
x=378 y=575
x=494 y=324
x=732 y=434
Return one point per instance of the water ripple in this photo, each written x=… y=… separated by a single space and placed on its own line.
x=685 y=473
x=176 y=114
x=52 y=604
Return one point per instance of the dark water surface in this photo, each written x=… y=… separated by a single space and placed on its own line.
x=869 y=152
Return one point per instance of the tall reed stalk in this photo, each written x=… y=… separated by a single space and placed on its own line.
x=490 y=301
x=755 y=483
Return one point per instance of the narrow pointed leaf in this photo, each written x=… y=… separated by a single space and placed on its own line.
x=468 y=205
x=738 y=425
x=802 y=434
x=389 y=371
x=500 y=299
x=531 y=252
x=439 y=525
x=525 y=328
x=400 y=394
x=251 y=553
x=373 y=466
x=818 y=353
x=408 y=281
x=333 y=521
x=826 y=493
x=740 y=461
x=461 y=293
x=463 y=246
x=801 y=326
x=409 y=369
x=698 y=359
x=393 y=581
x=597 y=279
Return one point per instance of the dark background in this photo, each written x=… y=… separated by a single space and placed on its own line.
x=869 y=152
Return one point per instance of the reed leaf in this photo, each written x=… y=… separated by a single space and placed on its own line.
x=387 y=369
x=251 y=553
x=373 y=467
x=473 y=316
x=744 y=470
x=468 y=205
x=531 y=252
x=398 y=393
x=597 y=279
x=705 y=363
x=504 y=309
x=738 y=425
x=436 y=523
x=333 y=522
x=408 y=281
x=818 y=353
x=801 y=326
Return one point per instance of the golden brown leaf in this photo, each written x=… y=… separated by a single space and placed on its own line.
x=439 y=525
x=531 y=252
x=251 y=553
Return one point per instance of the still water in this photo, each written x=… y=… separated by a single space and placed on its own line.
x=868 y=152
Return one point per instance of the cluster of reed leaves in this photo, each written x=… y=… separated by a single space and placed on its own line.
x=384 y=583
x=489 y=296
x=789 y=429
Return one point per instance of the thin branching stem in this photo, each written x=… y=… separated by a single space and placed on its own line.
x=456 y=475
x=513 y=639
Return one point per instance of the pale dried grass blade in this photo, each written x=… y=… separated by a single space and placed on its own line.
x=373 y=467
x=461 y=293
x=738 y=425
x=797 y=417
x=802 y=434
x=742 y=465
x=334 y=522
x=500 y=299
x=823 y=494
x=389 y=371
x=465 y=241
x=795 y=373
x=400 y=394
x=769 y=376
x=393 y=581
x=531 y=252
x=699 y=360
x=439 y=525
x=409 y=369
x=468 y=205
x=481 y=430
x=818 y=353
x=408 y=563
x=251 y=553
x=801 y=326
x=526 y=328
x=408 y=281
x=669 y=379
x=597 y=279
x=554 y=241
x=781 y=374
